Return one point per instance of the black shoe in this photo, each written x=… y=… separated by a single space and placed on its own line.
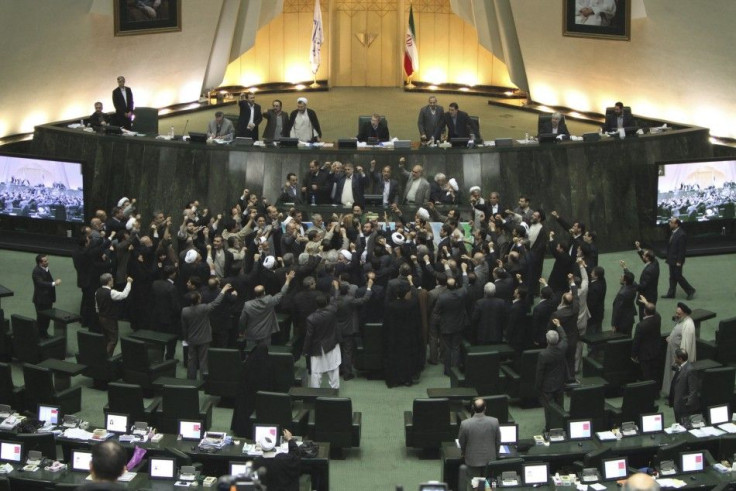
x=349 y=376
x=668 y=296
x=691 y=295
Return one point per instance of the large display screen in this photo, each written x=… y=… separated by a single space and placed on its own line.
x=696 y=191
x=40 y=188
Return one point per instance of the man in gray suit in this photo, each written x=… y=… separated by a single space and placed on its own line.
x=479 y=437
x=685 y=388
x=220 y=127
x=416 y=191
x=258 y=318
x=431 y=119
x=196 y=330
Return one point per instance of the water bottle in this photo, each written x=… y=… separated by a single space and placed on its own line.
x=723 y=231
x=314 y=199
x=171 y=132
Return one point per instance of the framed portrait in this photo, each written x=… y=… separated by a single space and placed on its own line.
x=147 y=16
x=603 y=19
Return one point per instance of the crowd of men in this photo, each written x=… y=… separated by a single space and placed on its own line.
x=18 y=197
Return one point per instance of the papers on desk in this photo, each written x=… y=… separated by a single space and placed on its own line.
x=728 y=427
x=126 y=477
x=605 y=435
x=77 y=434
x=675 y=428
x=75 y=126
x=706 y=431
x=670 y=482
x=597 y=486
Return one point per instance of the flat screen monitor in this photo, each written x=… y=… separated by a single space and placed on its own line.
x=691 y=462
x=190 y=430
x=288 y=142
x=240 y=468
x=459 y=142
x=535 y=473
x=195 y=137
x=50 y=415
x=117 y=423
x=347 y=143
x=547 y=138
x=433 y=486
x=652 y=423
x=162 y=468
x=41 y=188
x=81 y=460
x=270 y=432
x=579 y=429
x=718 y=415
x=614 y=469
x=509 y=434
x=696 y=190
x=11 y=452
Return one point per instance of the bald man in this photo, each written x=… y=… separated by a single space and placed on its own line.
x=258 y=318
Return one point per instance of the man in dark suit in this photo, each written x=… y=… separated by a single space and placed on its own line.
x=166 y=307
x=458 y=123
x=685 y=388
x=551 y=370
x=623 y=312
x=619 y=118
x=44 y=292
x=383 y=184
x=431 y=121
x=567 y=317
x=321 y=342
x=649 y=278
x=122 y=99
x=563 y=265
x=250 y=116
x=676 y=251
x=450 y=317
x=291 y=193
x=479 y=437
x=542 y=313
x=277 y=126
x=596 y=299
x=647 y=345
x=357 y=182
x=489 y=317
x=517 y=327
x=554 y=126
x=98 y=118
x=316 y=186
x=375 y=128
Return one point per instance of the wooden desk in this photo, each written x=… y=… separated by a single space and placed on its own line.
x=63 y=371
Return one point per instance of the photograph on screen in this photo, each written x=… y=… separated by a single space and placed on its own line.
x=696 y=191
x=509 y=434
x=41 y=189
x=48 y=414
x=652 y=423
x=535 y=473
x=81 y=460
x=117 y=423
x=190 y=430
x=161 y=468
x=718 y=415
x=266 y=431
x=691 y=462
x=614 y=468
x=240 y=468
x=11 y=451
x=579 y=429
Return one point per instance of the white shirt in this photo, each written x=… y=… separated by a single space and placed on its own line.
x=413 y=187
x=386 y=189
x=302 y=128
x=347 y=192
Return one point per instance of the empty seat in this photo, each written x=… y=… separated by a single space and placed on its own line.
x=638 y=399
x=101 y=368
x=521 y=377
x=716 y=386
x=10 y=394
x=128 y=399
x=277 y=408
x=482 y=372
x=496 y=406
x=585 y=403
x=617 y=368
x=225 y=371
x=336 y=423
x=137 y=367
x=182 y=403
x=41 y=442
x=369 y=349
x=40 y=389
x=29 y=347
x=285 y=374
x=429 y=423
x=495 y=468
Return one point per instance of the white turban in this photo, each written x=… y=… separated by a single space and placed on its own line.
x=269 y=262
x=191 y=256
x=346 y=254
x=423 y=214
x=397 y=238
x=302 y=99
x=122 y=201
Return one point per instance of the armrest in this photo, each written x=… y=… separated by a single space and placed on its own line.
x=357 y=418
x=612 y=409
x=408 y=418
x=591 y=367
x=509 y=372
x=299 y=415
x=453 y=419
x=357 y=425
x=152 y=406
x=457 y=378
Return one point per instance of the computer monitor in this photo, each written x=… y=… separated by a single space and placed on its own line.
x=652 y=423
x=190 y=430
x=547 y=138
x=509 y=434
x=615 y=468
x=459 y=142
x=347 y=143
x=535 y=473
x=196 y=137
x=162 y=468
x=266 y=431
x=579 y=429
x=288 y=142
x=11 y=452
x=433 y=486
x=117 y=423
x=50 y=415
x=719 y=414
x=691 y=462
x=240 y=468
x=81 y=460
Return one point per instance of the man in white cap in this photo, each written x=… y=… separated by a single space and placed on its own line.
x=304 y=123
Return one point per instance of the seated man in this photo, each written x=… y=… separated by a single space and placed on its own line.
x=220 y=127
x=98 y=118
x=376 y=128
x=555 y=126
x=107 y=465
x=618 y=118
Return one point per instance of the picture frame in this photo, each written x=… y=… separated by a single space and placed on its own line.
x=608 y=19
x=133 y=17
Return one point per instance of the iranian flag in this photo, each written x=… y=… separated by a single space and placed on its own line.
x=411 y=55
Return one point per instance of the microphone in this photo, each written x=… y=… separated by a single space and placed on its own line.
x=185 y=128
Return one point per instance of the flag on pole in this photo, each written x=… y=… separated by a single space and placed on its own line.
x=317 y=38
x=411 y=55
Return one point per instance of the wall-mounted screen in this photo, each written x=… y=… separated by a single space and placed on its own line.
x=40 y=188
x=696 y=191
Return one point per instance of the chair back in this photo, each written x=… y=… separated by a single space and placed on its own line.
x=498 y=407
x=431 y=414
x=528 y=373
x=92 y=349
x=146 y=120
x=273 y=408
x=135 y=355
x=126 y=399
x=6 y=385
x=25 y=338
x=180 y=402
x=588 y=402
x=495 y=468
x=283 y=371
x=481 y=372
x=670 y=452
x=39 y=384
x=42 y=442
x=371 y=357
x=717 y=386
x=366 y=119
x=225 y=364
x=595 y=458
x=638 y=398
x=333 y=418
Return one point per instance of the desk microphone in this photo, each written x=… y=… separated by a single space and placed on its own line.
x=185 y=128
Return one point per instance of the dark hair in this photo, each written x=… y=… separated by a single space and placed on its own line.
x=169 y=270
x=39 y=258
x=108 y=460
x=321 y=300
x=619 y=104
x=454 y=105
x=192 y=298
x=628 y=277
x=681 y=354
x=600 y=273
